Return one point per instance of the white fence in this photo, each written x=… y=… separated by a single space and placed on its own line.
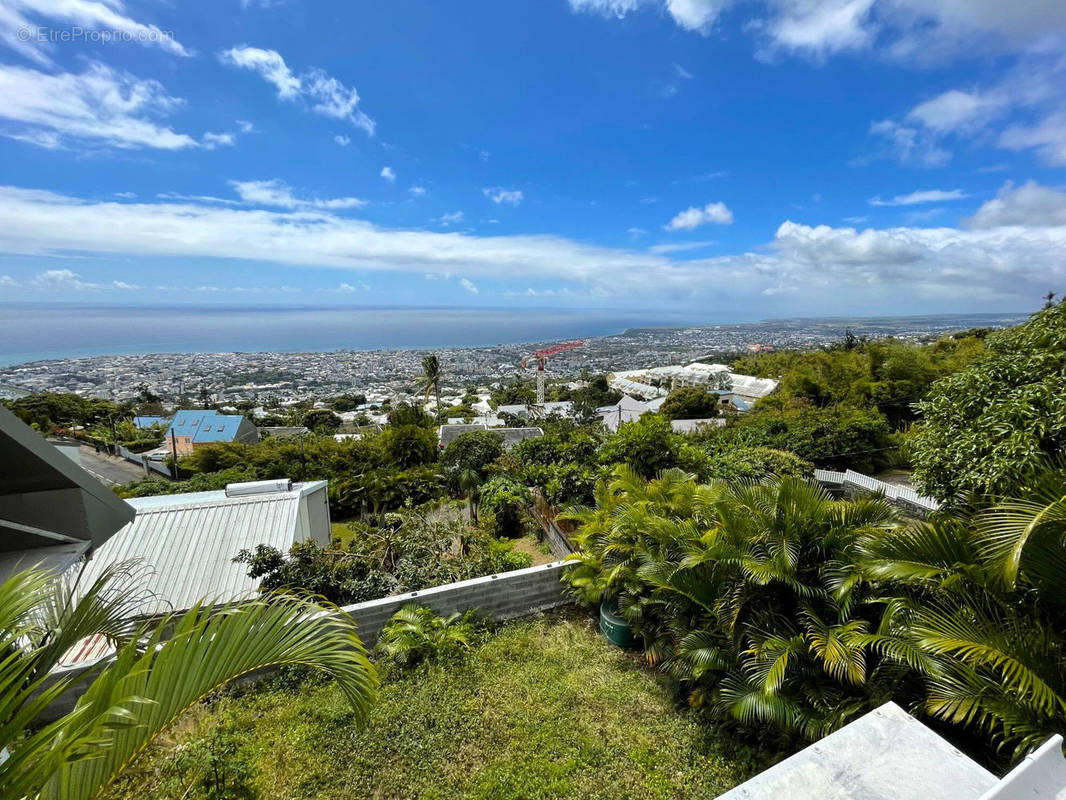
x=144 y=461
x=902 y=496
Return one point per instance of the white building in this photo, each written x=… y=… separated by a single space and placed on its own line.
x=658 y=381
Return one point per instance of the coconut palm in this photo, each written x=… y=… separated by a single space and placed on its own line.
x=981 y=613
x=431 y=376
x=158 y=671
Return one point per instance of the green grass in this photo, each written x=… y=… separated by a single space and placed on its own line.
x=544 y=708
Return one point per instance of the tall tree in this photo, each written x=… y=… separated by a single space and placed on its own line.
x=431 y=375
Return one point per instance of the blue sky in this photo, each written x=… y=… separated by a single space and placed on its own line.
x=742 y=159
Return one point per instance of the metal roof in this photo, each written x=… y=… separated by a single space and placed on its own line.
x=51 y=510
x=189 y=541
x=206 y=425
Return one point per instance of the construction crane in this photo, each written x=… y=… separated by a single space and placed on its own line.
x=542 y=357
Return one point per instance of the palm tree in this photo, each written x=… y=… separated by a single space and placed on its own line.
x=470 y=485
x=745 y=592
x=415 y=634
x=159 y=670
x=980 y=613
x=431 y=375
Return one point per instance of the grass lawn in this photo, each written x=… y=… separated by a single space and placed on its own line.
x=543 y=708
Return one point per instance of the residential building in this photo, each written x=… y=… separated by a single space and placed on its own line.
x=196 y=427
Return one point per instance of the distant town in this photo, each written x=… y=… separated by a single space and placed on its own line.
x=281 y=377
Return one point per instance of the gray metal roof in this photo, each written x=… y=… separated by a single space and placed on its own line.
x=884 y=755
x=189 y=541
x=51 y=510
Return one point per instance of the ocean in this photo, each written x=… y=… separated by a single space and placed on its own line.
x=33 y=333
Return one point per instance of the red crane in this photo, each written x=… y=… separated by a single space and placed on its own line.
x=542 y=359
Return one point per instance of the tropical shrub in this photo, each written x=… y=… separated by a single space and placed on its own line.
x=746 y=593
x=408 y=552
x=985 y=429
x=979 y=613
x=756 y=463
x=415 y=634
x=690 y=402
x=504 y=504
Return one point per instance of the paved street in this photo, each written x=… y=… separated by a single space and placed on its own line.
x=109 y=470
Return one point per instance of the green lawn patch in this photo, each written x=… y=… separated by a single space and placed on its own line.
x=544 y=708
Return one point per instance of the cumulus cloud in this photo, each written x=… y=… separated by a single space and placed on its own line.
x=342 y=140
x=691 y=218
x=388 y=174
x=213 y=140
x=19 y=16
x=100 y=106
x=1024 y=110
x=451 y=218
x=417 y=191
x=323 y=93
x=468 y=284
x=922 y=196
x=985 y=261
x=277 y=193
x=499 y=195
x=1027 y=205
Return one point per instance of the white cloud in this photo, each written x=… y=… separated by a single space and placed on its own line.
x=7 y=280
x=347 y=287
x=691 y=218
x=918 y=197
x=682 y=72
x=126 y=195
x=818 y=27
x=909 y=144
x=1047 y=137
x=1031 y=92
x=1000 y=264
x=325 y=94
x=906 y=30
x=635 y=232
x=100 y=106
x=124 y=285
x=19 y=25
x=342 y=140
x=417 y=191
x=499 y=195
x=270 y=66
x=277 y=193
x=451 y=217
x=213 y=140
x=58 y=279
x=467 y=284
x=388 y=174
x=1029 y=205
x=244 y=126
x=856 y=220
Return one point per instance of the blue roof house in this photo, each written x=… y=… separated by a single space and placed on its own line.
x=193 y=428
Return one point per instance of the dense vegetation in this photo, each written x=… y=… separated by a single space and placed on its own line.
x=784 y=611
x=542 y=709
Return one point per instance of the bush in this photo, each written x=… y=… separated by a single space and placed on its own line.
x=415 y=634
x=690 y=402
x=505 y=505
x=757 y=463
x=990 y=425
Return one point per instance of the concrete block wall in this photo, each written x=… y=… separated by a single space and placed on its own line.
x=495 y=598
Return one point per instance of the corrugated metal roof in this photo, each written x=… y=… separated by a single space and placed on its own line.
x=189 y=542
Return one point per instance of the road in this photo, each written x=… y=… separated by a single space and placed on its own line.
x=108 y=469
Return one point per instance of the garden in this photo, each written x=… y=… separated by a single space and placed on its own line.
x=540 y=708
